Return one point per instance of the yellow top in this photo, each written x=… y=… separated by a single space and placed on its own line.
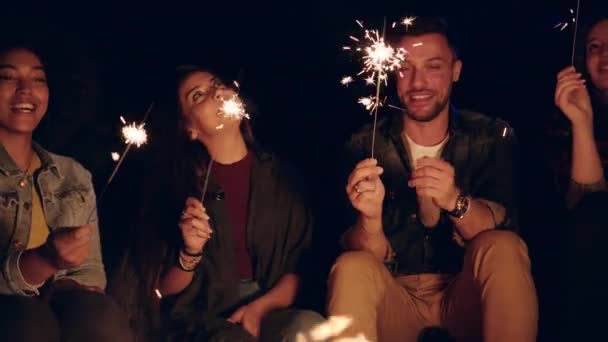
x=39 y=231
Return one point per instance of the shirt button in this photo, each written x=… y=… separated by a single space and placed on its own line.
x=27 y=205
x=23 y=183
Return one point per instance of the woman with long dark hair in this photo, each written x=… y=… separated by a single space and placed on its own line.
x=226 y=265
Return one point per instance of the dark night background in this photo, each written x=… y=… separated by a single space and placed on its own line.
x=110 y=59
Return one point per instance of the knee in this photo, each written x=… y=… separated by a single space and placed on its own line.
x=19 y=314
x=353 y=263
x=501 y=243
x=91 y=316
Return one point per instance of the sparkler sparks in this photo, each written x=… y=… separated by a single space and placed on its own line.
x=370 y=103
x=115 y=156
x=574 y=20
x=233 y=108
x=408 y=21
x=379 y=58
x=346 y=80
x=134 y=134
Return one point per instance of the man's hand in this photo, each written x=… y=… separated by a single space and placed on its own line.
x=366 y=191
x=435 y=178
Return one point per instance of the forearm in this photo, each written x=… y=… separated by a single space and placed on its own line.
x=283 y=294
x=367 y=235
x=586 y=163
x=174 y=280
x=482 y=215
x=35 y=268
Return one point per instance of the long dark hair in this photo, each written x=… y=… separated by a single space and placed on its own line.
x=177 y=166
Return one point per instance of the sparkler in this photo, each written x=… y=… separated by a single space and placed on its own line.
x=233 y=108
x=379 y=59
x=564 y=24
x=133 y=134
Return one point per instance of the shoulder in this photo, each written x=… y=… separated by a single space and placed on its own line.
x=69 y=168
x=484 y=128
x=279 y=172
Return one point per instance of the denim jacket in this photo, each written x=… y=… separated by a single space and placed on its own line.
x=68 y=200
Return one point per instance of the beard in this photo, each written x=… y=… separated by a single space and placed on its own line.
x=427 y=115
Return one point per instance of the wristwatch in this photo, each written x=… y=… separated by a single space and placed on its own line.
x=462 y=206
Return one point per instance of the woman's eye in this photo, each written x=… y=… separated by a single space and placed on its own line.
x=198 y=96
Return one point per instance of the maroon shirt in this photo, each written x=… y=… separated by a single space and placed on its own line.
x=234 y=179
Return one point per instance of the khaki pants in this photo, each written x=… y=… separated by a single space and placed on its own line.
x=493 y=298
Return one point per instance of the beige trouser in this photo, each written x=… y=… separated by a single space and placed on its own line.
x=493 y=298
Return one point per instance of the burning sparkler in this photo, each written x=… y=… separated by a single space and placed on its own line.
x=564 y=24
x=134 y=134
x=379 y=59
x=233 y=108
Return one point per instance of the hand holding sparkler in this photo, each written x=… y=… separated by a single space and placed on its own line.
x=194 y=226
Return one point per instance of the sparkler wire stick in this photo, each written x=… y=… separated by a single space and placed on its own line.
x=377 y=98
x=578 y=7
x=206 y=182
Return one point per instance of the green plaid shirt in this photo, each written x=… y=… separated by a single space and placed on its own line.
x=482 y=152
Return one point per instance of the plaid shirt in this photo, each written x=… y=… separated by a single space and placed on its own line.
x=482 y=152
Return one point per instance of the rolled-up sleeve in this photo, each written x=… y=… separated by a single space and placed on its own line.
x=12 y=281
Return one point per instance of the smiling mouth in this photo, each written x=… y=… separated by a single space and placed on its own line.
x=23 y=107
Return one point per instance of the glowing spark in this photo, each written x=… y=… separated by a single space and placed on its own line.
x=158 y=294
x=233 y=108
x=504 y=132
x=123 y=120
x=379 y=58
x=360 y=23
x=394 y=24
x=417 y=44
x=408 y=21
x=236 y=84
x=369 y=103
x=220 y=126
x=115 y=156
x=346 y=80
x=346 y=48
x=334 y=326
x=562 y=26
x=134 y=134
x=370 y=81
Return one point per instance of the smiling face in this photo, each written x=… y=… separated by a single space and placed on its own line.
x=597 y=55
x=428 y=72
x=201 y=95
x=24 y=93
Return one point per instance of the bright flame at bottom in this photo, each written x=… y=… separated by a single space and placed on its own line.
x=331 y=328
